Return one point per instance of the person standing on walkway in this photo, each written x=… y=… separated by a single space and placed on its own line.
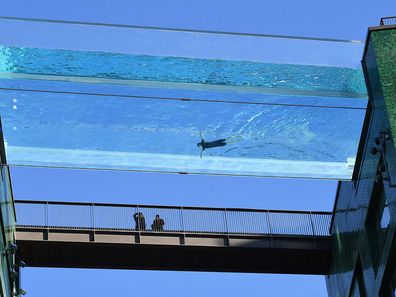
x=158 y=224
x=140 y=221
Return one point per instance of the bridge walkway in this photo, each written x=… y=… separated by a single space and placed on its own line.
x=124 y=236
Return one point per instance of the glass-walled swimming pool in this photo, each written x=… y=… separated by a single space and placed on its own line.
x=179 y=101
x=158 y=71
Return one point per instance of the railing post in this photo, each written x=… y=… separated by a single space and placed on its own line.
x=92 y=237
x=46 y=215
x=92 y=217
x=138 y=223
x=182 y=225
x=226 y=225
x=312 y=224
x=269 y=226
x=313 y=229
x=46 y=234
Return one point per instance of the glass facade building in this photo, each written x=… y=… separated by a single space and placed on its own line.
x=9 y=271
x=364 y=218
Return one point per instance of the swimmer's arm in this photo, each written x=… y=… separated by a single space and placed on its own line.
x=202 y=141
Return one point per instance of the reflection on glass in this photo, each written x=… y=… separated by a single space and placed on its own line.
x=385 y=218
x=356 y=290
x=7 y=207
x=5 y=280
x=8 y=230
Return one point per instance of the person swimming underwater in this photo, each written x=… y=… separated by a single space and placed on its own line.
x=216 y=143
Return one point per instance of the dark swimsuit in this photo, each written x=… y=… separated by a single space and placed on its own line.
x=215 y=143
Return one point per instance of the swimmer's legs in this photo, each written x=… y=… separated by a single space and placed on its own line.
x=234 y=139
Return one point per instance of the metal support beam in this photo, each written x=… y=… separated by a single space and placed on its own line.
x=73 y=248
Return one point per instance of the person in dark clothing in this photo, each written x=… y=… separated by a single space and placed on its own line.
x=140 y=221
x=158 y=224
x=217 y=143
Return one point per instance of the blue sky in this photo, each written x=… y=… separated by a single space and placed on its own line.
x=330 y=19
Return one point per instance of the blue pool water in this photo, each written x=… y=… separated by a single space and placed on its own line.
x=90 y=125
x=181 y=70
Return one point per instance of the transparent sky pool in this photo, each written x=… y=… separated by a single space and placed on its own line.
x=288 y=107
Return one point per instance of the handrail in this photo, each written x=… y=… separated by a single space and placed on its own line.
x=174 y=219
x=168 y=206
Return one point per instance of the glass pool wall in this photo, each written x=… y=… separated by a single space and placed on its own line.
x=130 y=98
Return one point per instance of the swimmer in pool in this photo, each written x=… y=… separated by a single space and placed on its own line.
x=217 y=143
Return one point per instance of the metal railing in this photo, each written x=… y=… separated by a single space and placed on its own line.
x=176 y=219
x=388 y=21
